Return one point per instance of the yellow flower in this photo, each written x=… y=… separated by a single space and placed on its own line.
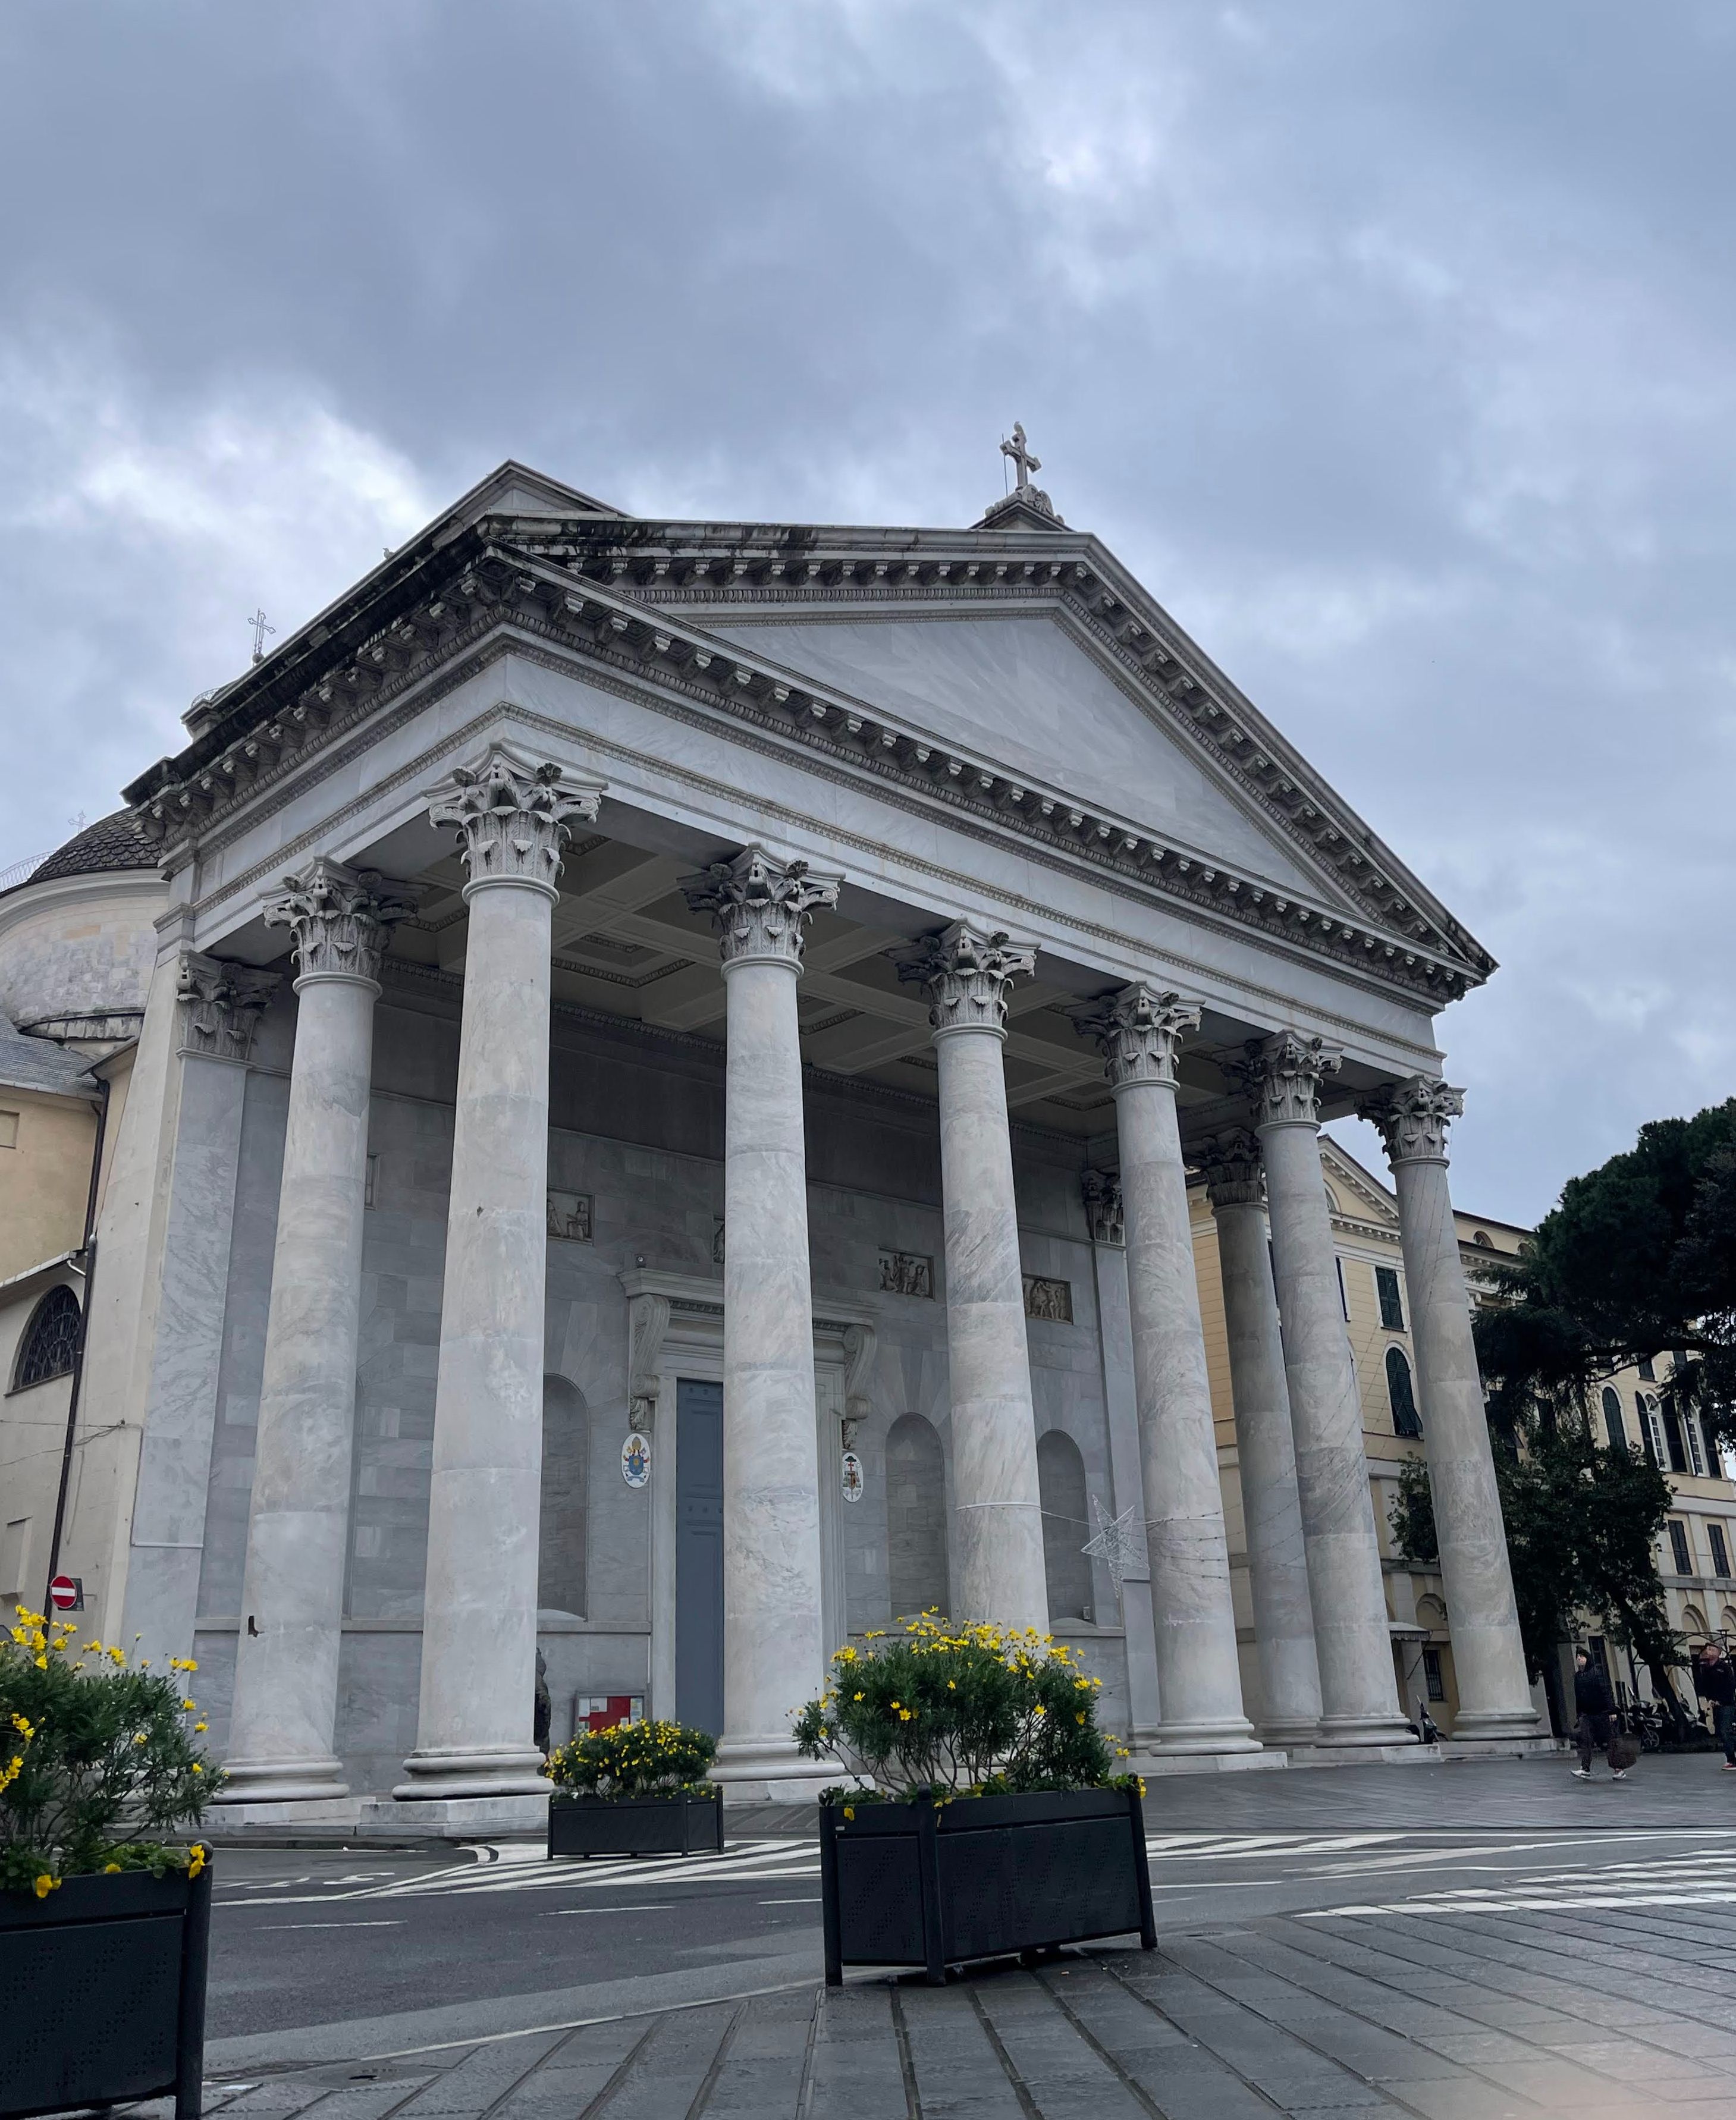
x=202 y=1725
x=45 y=1885
x=139 y=1737
x=111 y=1869
x=1080 y=1720
x=850 y=1811
x=196 y=1861
x=197 y=1768
x=189 y=1703
x=858 y=1696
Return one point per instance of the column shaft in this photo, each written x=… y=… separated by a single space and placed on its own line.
x=1198 y=1676
x=1352 y=1640
x=773 y=1658
x=998 y=1549
x=283 y=1721
x=1494 y=1701
x=474 y=1735
x=1265 y=1449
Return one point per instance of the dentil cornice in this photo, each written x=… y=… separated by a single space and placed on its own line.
x=760 y=906
x=966 y=970
x=632 y=595
x=1414 y=1118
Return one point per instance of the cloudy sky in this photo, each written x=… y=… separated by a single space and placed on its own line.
x=1394 y=347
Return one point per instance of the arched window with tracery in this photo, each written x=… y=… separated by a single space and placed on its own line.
x=50 y=1340
x=1400 y=1396
x=1066 y=1525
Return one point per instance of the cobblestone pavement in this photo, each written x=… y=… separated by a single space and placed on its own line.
x=1460 y=2016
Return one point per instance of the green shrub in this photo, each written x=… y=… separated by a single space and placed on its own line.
x=978 y=1710
x=635 y=1759
x=95 y=1763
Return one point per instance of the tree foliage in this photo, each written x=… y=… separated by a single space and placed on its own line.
x=1639 y=1257
x=1582 y=1530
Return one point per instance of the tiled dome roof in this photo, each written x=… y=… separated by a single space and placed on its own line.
x=112 y=842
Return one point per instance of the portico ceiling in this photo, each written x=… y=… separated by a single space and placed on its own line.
x=626 y=945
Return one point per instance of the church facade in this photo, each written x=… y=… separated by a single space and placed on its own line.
x=651 y=1076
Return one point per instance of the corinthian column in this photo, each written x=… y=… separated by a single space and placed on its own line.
x=774 y=1652
x=1488 y=1657
x=474 y=1734
x=998 y=1518
x=1359 y=1693
x=1265 y=1450
x=1198 y=1679
x=285 y=1713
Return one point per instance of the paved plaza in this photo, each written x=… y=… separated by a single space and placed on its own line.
x=1465 y=1942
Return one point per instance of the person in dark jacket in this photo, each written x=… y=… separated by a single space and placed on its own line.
x=1715 y=1680
x=1591 y=1696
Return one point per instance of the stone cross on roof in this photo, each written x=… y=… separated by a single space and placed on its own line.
x=1025 y=462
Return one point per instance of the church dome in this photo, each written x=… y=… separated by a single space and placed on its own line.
x=114 y=842
x=78 y=937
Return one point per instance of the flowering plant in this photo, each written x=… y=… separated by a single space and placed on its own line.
x=972 y=1710
x=93 y=1762
x=635 y=1759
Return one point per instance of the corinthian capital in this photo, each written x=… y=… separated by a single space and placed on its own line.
x=1283 y=1076
x=222 y=1005
x=759 y=907
x=1413 y=1117
x=1104 y=1208
x=1231 y=1165
x=1138 y=1032
x=512 y=817
x=341 y=919
x=967 y=970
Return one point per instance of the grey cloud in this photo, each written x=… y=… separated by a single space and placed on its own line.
x=1393 y=348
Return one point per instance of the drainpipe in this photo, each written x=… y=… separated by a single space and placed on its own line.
x=88 y=1267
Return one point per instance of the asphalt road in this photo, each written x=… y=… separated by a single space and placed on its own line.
x=303 y=1939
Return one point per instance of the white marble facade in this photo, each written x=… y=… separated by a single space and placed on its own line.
x=691 y=932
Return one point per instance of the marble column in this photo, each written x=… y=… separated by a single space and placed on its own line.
x=1139 y=1032
x=774 y=1649
x=1495 y=1699
x=1359 y=1695
x=283 y=1720
x=473 y=1732
x=1265 y=1449
x=219 y=1007
x=997 y=1548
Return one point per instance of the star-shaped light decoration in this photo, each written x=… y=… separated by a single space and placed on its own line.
x=1116 y=1542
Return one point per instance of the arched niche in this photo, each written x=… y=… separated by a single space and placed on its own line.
x=561 y=1536
x=916 y=1517
x=1066 y=1525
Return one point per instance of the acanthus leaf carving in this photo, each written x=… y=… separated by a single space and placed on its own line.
x=1230 y=1164
x=1413 y=1117
x=967 y=970
x=513 y=816
x=223 y=1003
x=1138 y=1030
x=340 y=919
x=758 y=905
x=1283 y=1076
x=1103 y=1206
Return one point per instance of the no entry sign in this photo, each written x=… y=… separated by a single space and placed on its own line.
x=67 y=1593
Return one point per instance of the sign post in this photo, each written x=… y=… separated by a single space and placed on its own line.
x=67 y=1593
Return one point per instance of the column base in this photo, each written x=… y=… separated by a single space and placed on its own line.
x=442 y=1773
x=771 y=1770
x=1497 y=1729
x=1328 y=1754
x=237 y=1824
x=1346 y=1732
x=1533 y=1747
x=283 y=1781
x=1155 y=1765
x=1194 y=1740
x=1302 y=1731
x=495 y=1817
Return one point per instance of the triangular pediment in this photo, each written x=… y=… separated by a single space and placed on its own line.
x=1360 y=1195
x=1022 y=692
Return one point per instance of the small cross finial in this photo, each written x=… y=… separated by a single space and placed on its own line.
x=261 y=627
x=1025 y=462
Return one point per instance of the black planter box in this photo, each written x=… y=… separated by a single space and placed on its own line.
x=634 y=1825
x=917 y=1884
x=105 y=1988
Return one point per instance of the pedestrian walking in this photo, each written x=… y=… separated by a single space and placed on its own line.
x=1591 y=1696
x=1714 y=1681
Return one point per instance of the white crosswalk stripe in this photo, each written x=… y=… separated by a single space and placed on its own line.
x=1699 y=1880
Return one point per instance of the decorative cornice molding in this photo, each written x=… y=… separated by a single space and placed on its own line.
x=340 y=919
x=1413 y=1117
x=222 y=1004
x=1230 y=1164
x=966 y=969
x=1138 y=1032
x=512 y=818
x=1283 y=1076
x=760 y=906
x=492 y=585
